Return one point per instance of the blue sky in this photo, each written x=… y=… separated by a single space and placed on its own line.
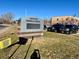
x=40 y=8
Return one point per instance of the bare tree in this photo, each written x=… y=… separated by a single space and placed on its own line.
x=19 y=21
x=7 y=17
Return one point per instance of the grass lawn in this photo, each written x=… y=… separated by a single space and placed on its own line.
x=51 y=46
x=56 y=46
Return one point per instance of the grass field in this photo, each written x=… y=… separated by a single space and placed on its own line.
x=51 y=46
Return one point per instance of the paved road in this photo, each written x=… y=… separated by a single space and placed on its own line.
x=2 y=27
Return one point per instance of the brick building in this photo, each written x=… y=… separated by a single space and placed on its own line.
x=64 y=20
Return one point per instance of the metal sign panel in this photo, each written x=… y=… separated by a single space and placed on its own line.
x=31 y=27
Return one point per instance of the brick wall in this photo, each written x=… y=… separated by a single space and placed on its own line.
x=64 y=20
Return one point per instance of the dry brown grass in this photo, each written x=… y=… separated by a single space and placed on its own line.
x=51 y=46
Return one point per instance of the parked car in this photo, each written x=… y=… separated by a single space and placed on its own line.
x=56 y=28
x=49 y=28
x=44 y=27
x=70 y=29
x=78 y=27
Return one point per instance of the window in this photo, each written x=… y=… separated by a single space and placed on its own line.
x=33 y=26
